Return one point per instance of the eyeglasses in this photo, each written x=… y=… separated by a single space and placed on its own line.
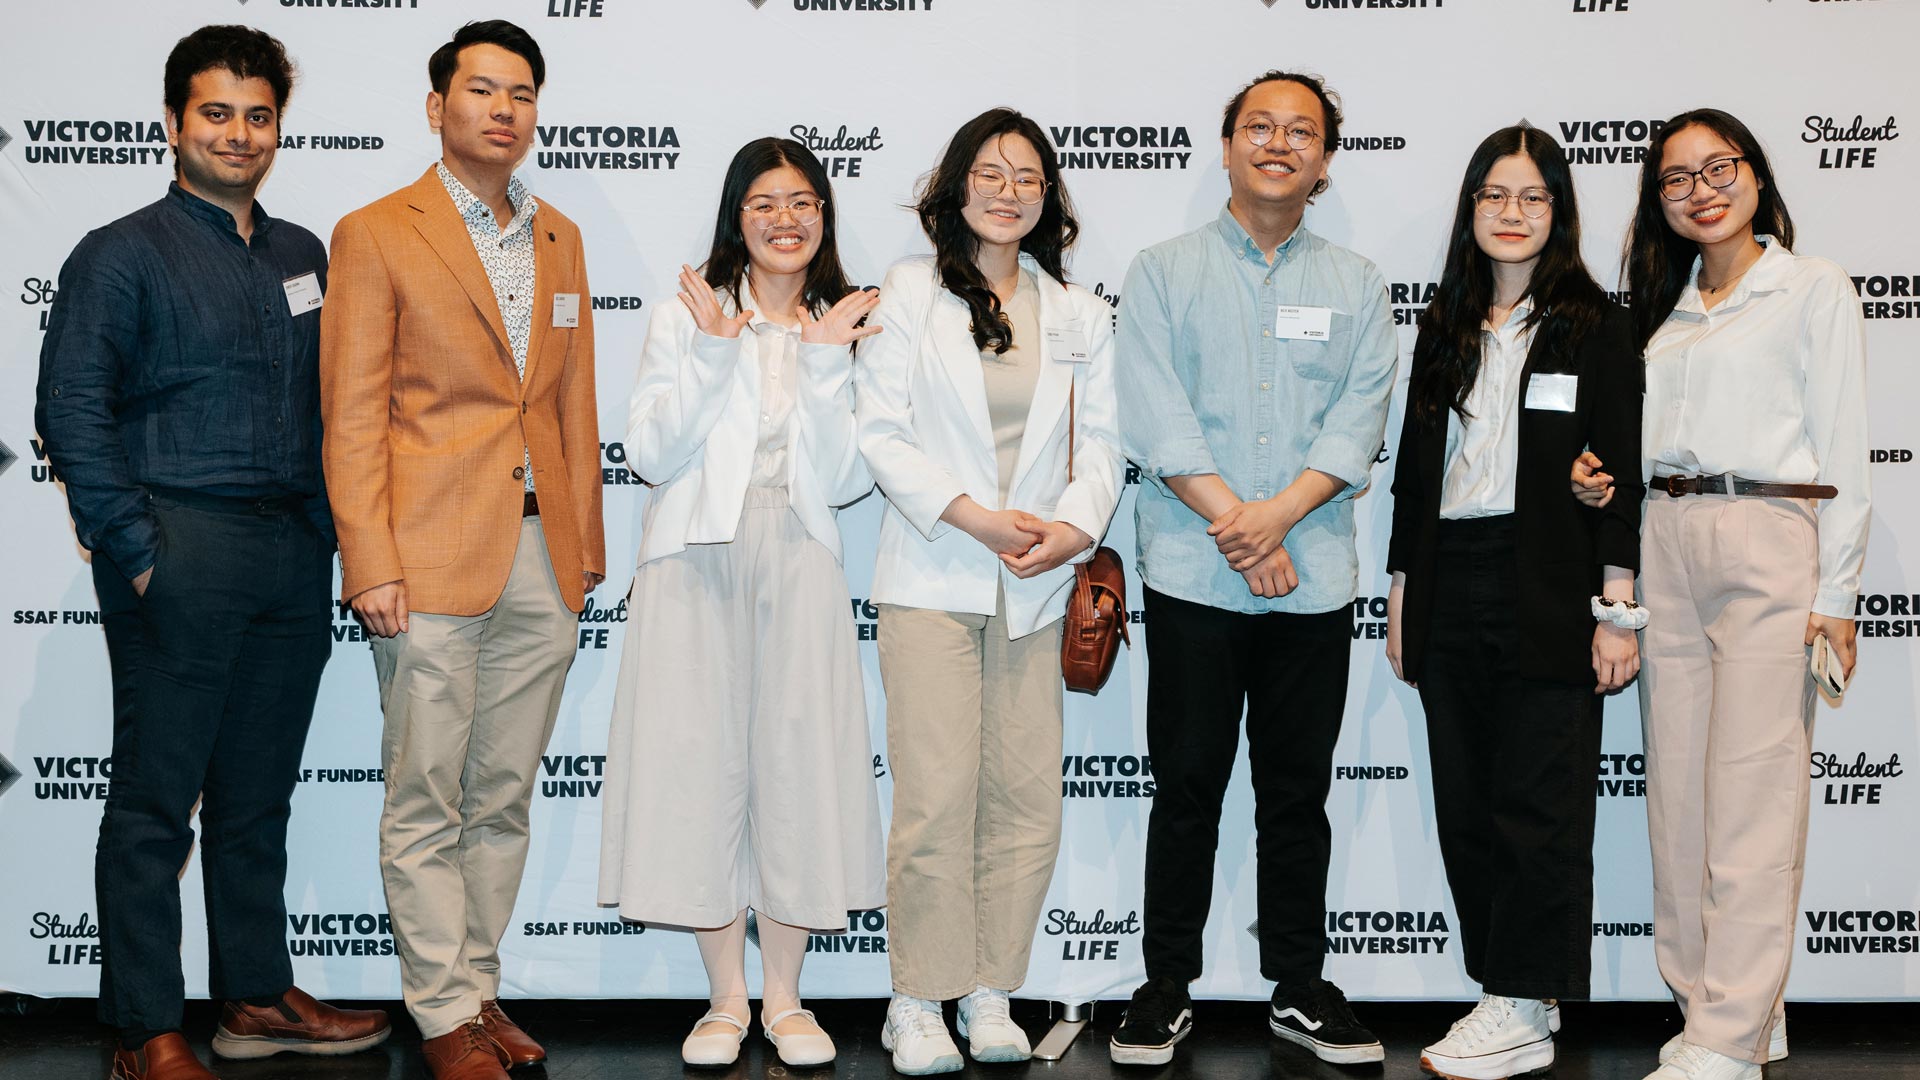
x=1260 y=133
x=765 y=215
x=1718 y=173
x=989 y=183
x=1534 y=202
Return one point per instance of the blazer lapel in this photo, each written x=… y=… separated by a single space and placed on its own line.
x=441 y=226
x=952 y=340
x=546 y=275
x=1056 y=376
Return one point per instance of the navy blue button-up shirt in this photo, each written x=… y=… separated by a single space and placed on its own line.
x=172 y=360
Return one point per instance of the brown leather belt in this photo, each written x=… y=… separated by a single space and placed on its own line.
x=1729 y=484
x=530 y=507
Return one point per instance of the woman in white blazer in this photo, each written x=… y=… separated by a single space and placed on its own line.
x=963 y=407
x=739 y=768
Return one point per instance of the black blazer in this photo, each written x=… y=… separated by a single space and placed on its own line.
x=1561 y=544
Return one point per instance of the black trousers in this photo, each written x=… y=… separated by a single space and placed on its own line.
x=1288 y=674
x=214 y=675
x=1514 y=762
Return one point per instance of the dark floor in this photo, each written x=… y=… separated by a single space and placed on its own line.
x=632 y=1040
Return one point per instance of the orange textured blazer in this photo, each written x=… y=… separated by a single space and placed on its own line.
x=426 y=416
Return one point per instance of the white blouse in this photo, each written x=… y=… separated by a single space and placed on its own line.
x=1483 y=452
x=1772 y=385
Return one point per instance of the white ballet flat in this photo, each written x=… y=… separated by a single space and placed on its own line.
x=717 y=1048
x=801 y=1048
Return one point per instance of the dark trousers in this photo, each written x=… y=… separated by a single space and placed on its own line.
x=1513 y=778
x=214 y=675
x=1288 y=674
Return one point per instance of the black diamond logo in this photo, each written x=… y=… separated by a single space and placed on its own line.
x=8 y=774
x=757 y=4
x=7 y=456
x=4 y=138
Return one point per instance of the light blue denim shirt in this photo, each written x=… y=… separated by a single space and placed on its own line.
x=1206 y=386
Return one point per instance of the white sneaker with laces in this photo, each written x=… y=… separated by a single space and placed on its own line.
x=1776 y=1045
x=1691 y=1062
x=1501 y=1037
x=916 y=1035
x=991 y=1034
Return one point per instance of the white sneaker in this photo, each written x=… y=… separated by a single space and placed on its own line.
x=990 y=1033
x=716 y=1048
x=802 y=1048
x=916 y=1034
x=1501 y=1037
x=1691 y=1062
x=1776 y=1045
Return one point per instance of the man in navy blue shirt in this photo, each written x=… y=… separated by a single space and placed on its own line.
x=178 y=399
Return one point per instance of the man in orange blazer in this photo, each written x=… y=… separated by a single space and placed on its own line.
x=462 y=458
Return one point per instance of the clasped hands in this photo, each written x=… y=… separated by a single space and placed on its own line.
x=1027 y=544
x=1249 y=536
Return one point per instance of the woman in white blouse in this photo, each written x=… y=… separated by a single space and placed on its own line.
x=739 y=767
x=1755 y=440
x=990 y=363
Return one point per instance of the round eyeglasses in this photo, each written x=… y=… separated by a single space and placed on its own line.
x=1261 y=132
x=989 y=183
x=1718 y=173
x=765 y=215
x=1534 y=202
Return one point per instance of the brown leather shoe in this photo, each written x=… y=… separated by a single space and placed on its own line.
x=163 y=1057
x=298 y=1024
x=465 y=1053
x=517 y=1048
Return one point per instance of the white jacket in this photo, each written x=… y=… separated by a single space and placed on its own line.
x=926 y=436
x=692 y=427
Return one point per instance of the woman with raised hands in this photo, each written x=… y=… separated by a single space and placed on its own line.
x=740 y=773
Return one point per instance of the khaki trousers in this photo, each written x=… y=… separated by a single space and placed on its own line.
x=469 y=703
x=1728 y=712
x=973 y=737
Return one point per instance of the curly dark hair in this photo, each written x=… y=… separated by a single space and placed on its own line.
x=242 y=50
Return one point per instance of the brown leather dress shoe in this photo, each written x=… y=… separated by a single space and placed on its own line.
x=465 y=1053
x=163 y=1057
x=517 y=1048
x=298 y=1024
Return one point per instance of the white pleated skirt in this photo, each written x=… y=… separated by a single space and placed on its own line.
x=739 y=764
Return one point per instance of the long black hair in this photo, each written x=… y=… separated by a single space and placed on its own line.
x=1658 y=260
x=726 y=265
x=944 y=193
x=1566 y=302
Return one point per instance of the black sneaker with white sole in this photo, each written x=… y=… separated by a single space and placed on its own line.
x=1317 y=1017
x=1159 y=1015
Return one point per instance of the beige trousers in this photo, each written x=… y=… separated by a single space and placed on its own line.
x=1728 y=712
x=469 y=703
x=973 y=738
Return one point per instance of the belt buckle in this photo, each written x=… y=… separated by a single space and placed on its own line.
x=1672 y=485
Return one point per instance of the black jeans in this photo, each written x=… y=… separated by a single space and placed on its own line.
x=214 y=675
x=1514 y=763
x=1288 y=673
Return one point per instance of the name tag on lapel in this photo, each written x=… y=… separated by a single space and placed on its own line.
x=1068 y=345
x=303 y=293
x=566 y=309
x=1554 y=393
x=1303 y=323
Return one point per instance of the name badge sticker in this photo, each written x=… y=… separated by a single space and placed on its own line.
x=566 y=310
x=303 y=293
x=1068 y=345
x=1303 y=323
x=1554 y=393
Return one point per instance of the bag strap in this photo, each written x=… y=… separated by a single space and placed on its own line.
x=1071 y=433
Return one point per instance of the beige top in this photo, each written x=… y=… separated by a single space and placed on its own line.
x=1011 y=377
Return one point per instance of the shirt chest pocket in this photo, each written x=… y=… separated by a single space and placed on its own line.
x=1323 y=361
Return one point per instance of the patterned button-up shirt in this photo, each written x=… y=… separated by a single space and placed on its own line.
x=507 y=255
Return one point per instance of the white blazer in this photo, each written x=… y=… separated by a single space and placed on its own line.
x=692 y=427
x=921 y=401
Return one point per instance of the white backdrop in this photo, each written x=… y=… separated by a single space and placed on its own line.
x=645 y=103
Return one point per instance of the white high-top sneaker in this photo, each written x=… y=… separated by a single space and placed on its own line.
x=1501 y=1037
x=991 y=1034
x=1691 y=1062
x=916 y=1034
x=1776 y=1045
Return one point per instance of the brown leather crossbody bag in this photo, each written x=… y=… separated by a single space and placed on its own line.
x=1097 y=608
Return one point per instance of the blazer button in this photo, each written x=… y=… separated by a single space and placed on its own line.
x=519 y=472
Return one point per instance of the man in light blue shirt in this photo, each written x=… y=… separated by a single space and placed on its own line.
x=1255 y=361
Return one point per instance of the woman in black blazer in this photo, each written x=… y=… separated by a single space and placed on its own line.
x=1509 y=608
